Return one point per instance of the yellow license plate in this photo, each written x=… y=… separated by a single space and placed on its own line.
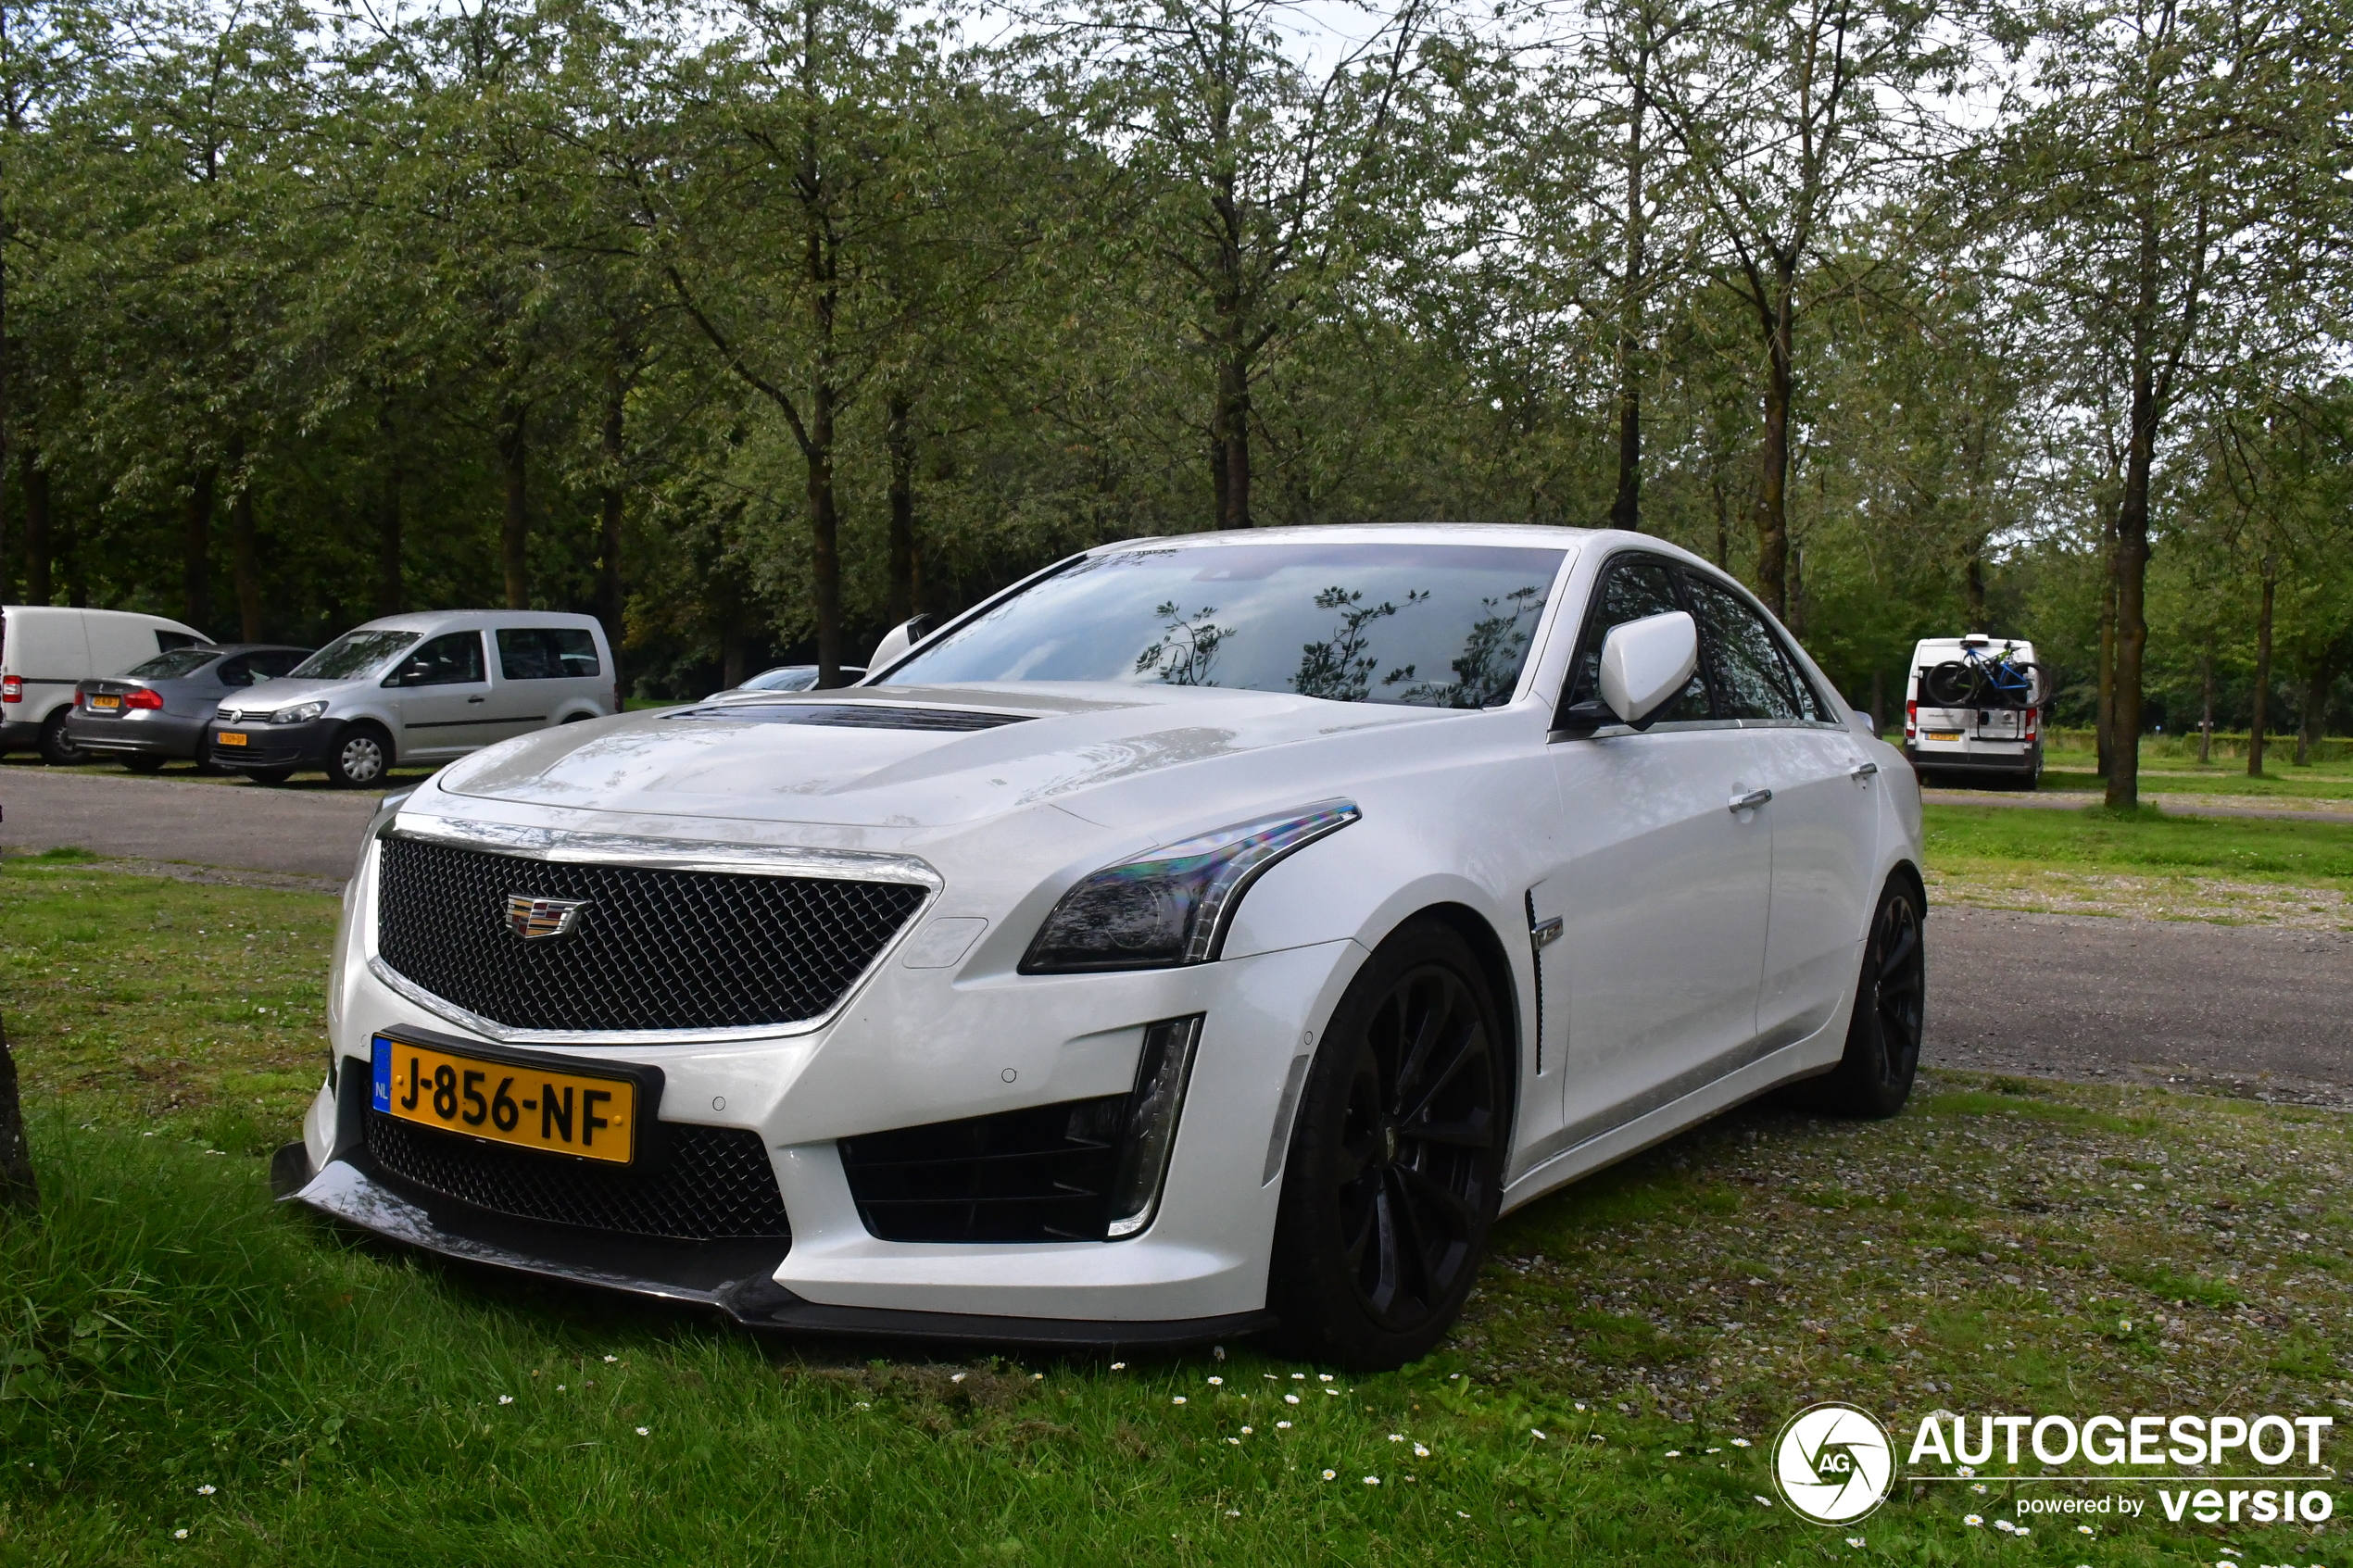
x=230 y=737
x=106 y=702
x=1944 y=735
x=573 y=1113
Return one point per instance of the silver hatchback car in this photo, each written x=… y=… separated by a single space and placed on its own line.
x=419 y=688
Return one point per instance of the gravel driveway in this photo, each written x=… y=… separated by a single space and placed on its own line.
x=235 y=824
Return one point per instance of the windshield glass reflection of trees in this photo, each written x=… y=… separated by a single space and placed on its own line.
x=1432 y=624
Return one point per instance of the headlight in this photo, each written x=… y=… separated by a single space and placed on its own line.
x=1172 y=906
x=300 y=714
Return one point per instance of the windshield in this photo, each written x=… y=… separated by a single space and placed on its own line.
x=173 y=665
x=1439 y=625
x=354 y=653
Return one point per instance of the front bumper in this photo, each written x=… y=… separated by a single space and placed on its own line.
x=138 y=734
x=276 y=745
x=911 y=1047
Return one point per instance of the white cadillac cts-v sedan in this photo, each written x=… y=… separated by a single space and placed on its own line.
x=1204 y=934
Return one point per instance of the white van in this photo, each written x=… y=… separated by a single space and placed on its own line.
x=418 y=688
x=1973 y=707
x=46 y=650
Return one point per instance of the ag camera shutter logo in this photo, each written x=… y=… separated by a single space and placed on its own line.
x=1833 y=1464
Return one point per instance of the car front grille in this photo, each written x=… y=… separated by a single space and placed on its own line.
x=701 y=1183
x=651 y=948
x=1042 y=1173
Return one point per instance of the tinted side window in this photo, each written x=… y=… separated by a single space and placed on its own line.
x=1633 y=588
x=237 y=672
x=167 y=641
x=1752 y=678
x=451 y=660
x=270 y=666
x=549 y=653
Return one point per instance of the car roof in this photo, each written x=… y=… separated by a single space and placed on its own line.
x=461 y=619
x=1531 y=535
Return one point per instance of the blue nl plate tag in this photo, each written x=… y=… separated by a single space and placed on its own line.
x=382 y=1049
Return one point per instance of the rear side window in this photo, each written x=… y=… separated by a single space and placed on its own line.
x=545 y=653
x=1754 y=679
x=454 y=658
x=274 y=662
x=1633 y=587
x=237 y=672
x=173 y=666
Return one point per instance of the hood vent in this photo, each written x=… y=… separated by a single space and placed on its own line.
x=857 y=716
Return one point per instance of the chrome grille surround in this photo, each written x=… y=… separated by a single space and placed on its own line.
x=614 y=851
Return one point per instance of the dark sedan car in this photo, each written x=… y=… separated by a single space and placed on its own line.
x=161 y=711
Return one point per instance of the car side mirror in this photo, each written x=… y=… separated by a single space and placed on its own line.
x=1645 y=662
x=898 y=640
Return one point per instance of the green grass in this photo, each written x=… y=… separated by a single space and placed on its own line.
x=2298 y=784
x=2005 y=1245
x=2260 y=849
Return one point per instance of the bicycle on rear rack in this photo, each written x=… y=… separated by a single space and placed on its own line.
x=1975 y=681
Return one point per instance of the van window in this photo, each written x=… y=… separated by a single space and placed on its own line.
x=167 y=641
x=171 y=666
x=545 y=653
x=454 y=658
x=354 y=653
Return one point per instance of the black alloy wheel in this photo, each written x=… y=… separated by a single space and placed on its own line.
x=1396 y=1160
x=1883 y=1056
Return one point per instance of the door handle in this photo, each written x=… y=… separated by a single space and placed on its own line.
x=1862 y=770
x=477 y=700
x=1755 y=798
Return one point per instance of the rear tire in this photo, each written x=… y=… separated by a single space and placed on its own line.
x=1874 y=1078
x=361 y=758
x=1396 y=1161
x=1951 y=684
x=57 y=747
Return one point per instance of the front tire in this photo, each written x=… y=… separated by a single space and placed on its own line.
x=1874 y=1078
x=361 y=758
x=1396 y=1160
x=148 y=764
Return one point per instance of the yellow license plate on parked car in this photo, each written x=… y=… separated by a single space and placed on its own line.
x=1944 y=735
x=106 y=702
x=575 y=1113
x=230 y=737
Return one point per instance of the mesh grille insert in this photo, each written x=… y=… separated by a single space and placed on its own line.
x=1042 y=1174
x=707 y=1184
x=654 y=948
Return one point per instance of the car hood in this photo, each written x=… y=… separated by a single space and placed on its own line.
x=268 y=697
x=764 y=760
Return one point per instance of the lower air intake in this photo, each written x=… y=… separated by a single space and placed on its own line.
x=1043 y=1174
x=703 y=1184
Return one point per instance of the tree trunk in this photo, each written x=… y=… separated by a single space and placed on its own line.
x=732 y=662
x=195 y=550
x=1233 y=439
x=389 y=593
x=2205 y=695
x=34 y=481
x=824 y=532
x=613 y=499
x=1973 y=589
x=514 y=534
x=1772 y=501
x=19 y=1189
x=2317 y=681
x=1723 y=519
x=1878 y=703
x=1625 y=511
x=898 y=437
x=2132 y=587
x=2104 y=721
x=245 y=566
x=2262 y=669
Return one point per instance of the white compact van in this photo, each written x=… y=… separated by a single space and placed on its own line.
x=418 y=688
x=46 y=650
x=1974 y=708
